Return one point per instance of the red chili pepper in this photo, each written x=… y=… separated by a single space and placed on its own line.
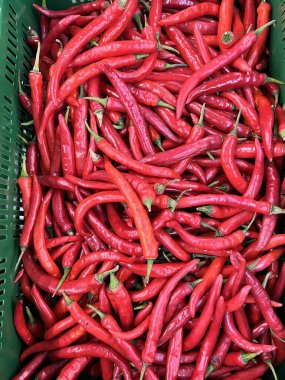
x=120 y=25
x=157 y=314
x=209 y=341
x=51 y=370
x=263 y=17
x=25 y=184
x=143 y=314
x=272 y=195
x=24 y=98
x=119 y=296
x=191 y=13
x=217 y=63
x=31 y=367
x=35 y=325
x=60 y=213
x=131 y=164
x=20 y=325
x=193 y=338
x=266 y=117
x=45 y=311
x=67 y=148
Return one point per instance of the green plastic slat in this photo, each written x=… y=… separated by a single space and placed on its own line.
x=277 y=43
x=15 y=17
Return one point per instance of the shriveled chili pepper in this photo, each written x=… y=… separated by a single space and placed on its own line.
x=23 y=97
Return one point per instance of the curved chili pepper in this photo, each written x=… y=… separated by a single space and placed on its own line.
x=31 y=367
x=181 y=152
x=150 y=290
x=80 y=39
x=25 y=184
x=216 y=63
x=45 y=311
x=35 y=325
x=263 y=17
x=67 y=148
x=221 y=243
x=20 y=325
x=134 y=333
x=55 y=33
x=94 y=257
x=272 y=195
x=113 y=49
x=239 y=358
x=143 y=314
x=119 y=296
x=266 y=117
x=209 y=341
x=227 y=82
x=192 y=339
x=131 y=164
x=132 y=109
x=193 y=12
x=94 y=350
x=120 y=25
x=23 y=97
x=238 y=339
x=157 y=314
x=51 y=370
x=143 y=225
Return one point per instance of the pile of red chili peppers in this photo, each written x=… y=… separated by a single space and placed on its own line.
x=152 y=194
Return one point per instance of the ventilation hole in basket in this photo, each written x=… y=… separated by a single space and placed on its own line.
x=2 y=271
x=3 y=260
x=2 y=282
x=1 y=315
x=12 y=43
x=12 y=25
x=12 y=52
x=5 y=157
x=4 y=137
x=3 y=196
x=3 y=217
x=3 y=237
x=11 y=61
x=3 y=227
x=11 y=71
x=9 y=79
x=13 y=35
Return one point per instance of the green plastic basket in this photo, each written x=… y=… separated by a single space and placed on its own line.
x=15 y=17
